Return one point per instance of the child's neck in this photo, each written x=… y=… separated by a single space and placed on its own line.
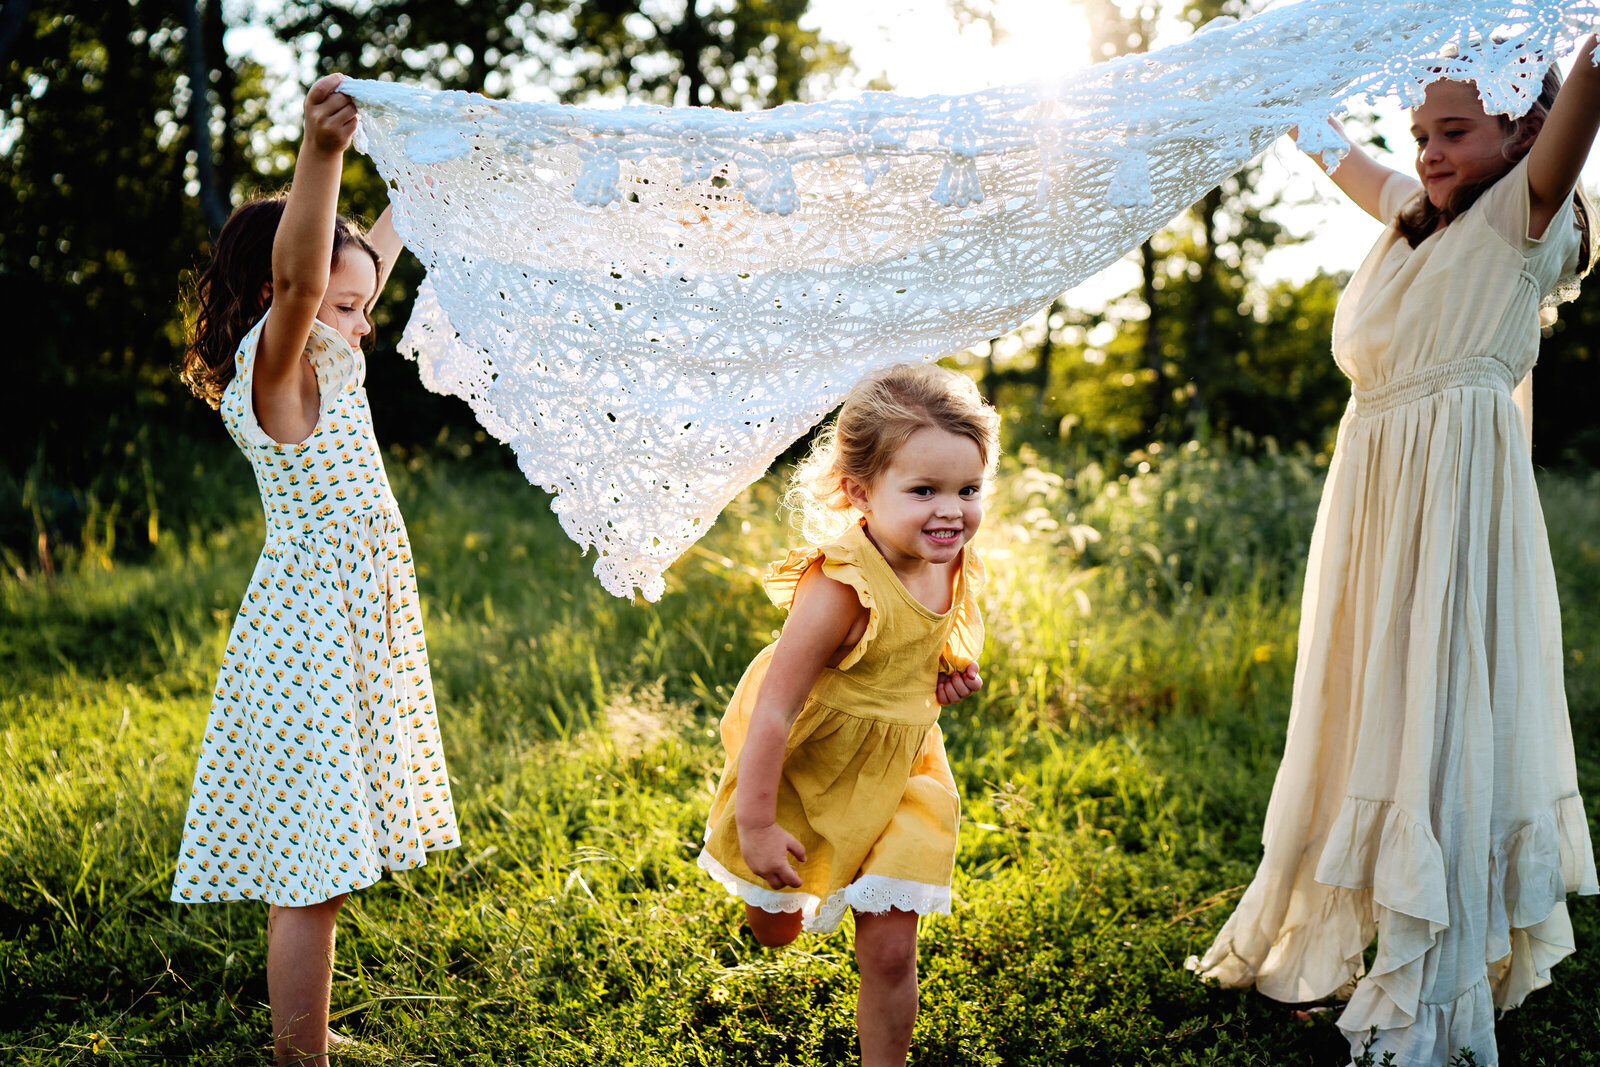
x=931 y=584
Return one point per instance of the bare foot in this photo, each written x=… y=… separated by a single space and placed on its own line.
x=1305 y=1015
x=337 y=1041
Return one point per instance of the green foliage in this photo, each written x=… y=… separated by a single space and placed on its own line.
x=125 y=146
x=98 y=231
x=729 y=53
x=1114 y=771
x=1275 y=387
x=1566 y=433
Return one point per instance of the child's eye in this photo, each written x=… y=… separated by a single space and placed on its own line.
x=922 y=491
x=970 y=491
x=346 y=309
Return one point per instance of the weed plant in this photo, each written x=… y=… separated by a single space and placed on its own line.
x=1114 y=773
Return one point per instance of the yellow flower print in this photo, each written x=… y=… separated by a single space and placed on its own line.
x=319 y=624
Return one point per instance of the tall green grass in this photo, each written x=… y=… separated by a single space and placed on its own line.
x=1114 y=773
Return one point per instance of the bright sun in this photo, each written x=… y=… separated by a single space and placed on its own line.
x=923 y=48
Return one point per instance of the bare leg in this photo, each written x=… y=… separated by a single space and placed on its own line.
x=299 y=976
x=886 y=952
x=773 y=929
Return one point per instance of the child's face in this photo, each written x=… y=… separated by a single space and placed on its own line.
x=928 y=502
x=351 y=288
x=1457 y=141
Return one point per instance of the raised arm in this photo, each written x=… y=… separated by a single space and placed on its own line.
x=386 y=240
x=1558 y=155
x=819 y=623
x=1358 y=175
x=284 y=389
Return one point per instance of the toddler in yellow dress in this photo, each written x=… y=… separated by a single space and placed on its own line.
x=836 y=794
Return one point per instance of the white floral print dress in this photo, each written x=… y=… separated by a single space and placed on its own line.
x=321 y=764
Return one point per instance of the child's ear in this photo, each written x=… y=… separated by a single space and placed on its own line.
x=266 y=295
x=856 y=493
x=1528 y=128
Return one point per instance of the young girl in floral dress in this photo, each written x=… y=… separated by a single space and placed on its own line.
x=321 y=765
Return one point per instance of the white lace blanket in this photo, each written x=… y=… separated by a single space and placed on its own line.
x=649 y=304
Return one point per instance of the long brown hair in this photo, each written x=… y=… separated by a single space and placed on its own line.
x=1420 y=218
x=230 y=296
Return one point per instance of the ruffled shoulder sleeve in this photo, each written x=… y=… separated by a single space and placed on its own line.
x=337 y=365
x=238 y=404
x=842 y=560
x=965 y=642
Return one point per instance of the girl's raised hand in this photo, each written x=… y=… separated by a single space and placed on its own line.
x=330 y=116
x=284 y=387
x=766 y=851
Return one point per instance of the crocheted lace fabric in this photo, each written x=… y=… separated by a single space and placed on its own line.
x=649 y=304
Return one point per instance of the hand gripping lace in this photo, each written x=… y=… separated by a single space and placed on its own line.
x=649 y=304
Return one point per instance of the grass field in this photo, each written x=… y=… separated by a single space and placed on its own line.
x=1114 y=773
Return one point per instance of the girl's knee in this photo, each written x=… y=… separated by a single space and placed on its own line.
x=323 y=908
x=886 y=946
x=773 y=929
x=888 y=964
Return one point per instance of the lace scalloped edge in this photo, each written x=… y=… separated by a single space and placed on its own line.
x=870 y=893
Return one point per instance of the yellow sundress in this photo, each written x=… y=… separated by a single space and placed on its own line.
x=865 y=785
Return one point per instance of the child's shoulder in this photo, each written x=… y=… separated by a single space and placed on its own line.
x=1506 y=208
x=842 y=559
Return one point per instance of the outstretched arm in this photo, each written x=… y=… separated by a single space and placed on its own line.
x=386 y=240
x=284 y=389
x=1558 y=155
x=819 y=623
x=1358 y=175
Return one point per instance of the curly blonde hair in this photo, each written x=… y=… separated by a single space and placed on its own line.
x=877 y=418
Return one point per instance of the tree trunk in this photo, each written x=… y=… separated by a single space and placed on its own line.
x=13 y=17
x=1152 y=336
x=476 y=34
x=688 y=40
x=1041 y=371
x=212 y=205
x=227 y=163
x=1203 y=357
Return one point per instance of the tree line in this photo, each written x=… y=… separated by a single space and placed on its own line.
x=132 y=130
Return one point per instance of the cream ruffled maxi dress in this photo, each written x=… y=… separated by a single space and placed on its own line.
x=1428 y=792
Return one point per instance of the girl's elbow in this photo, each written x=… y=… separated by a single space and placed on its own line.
x=775 y=718
x=290 y=291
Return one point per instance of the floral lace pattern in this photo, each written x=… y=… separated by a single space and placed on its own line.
x=649 y=304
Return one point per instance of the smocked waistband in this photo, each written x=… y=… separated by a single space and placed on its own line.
x=1472 y=372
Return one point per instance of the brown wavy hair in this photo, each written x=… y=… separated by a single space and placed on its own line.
x=878 y=416
x=1420 y=218
x=228 y=299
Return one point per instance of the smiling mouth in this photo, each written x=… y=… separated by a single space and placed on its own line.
x=943 y=537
